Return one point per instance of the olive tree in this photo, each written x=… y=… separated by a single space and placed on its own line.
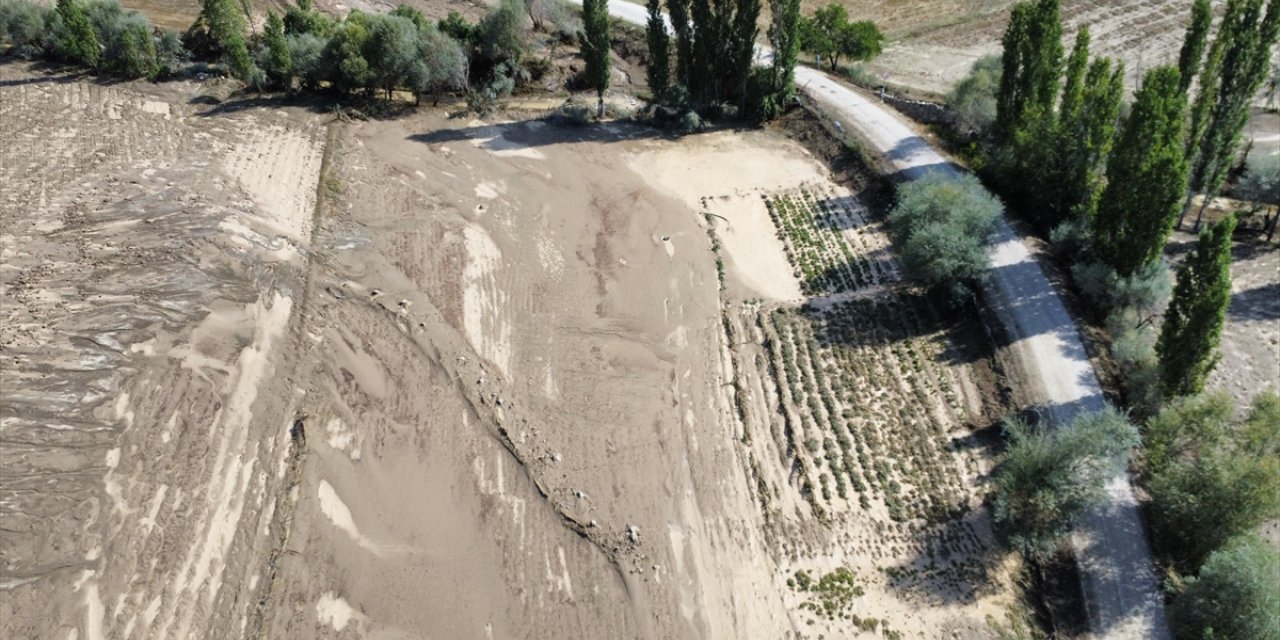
x=942 y=225
x=1236 y=595
x=1049 y=477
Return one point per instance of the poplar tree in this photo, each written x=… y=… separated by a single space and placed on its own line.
x=1077 y=66
x=784 y=37
x=1096 y=131
x=1188 y=344
x=658 y=73
x=1010 y=99
x=1243 y=50
x=743 y=28
x=678 y=11
x=1146 y=176
x=1044 y=69
x=79 y=42
x=709 y=36
x=1194 y=41
x=595 y=48
x=1032 y=65
x=279 y=63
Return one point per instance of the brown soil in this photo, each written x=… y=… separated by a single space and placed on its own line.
x=271 y=373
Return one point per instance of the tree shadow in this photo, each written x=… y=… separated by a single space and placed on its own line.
x=954 y=564
x=906 y=314
x=54 y=73
x=543 y=133
x=1259 y=303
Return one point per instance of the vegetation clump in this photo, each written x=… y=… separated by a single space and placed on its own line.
x=942 y=225
x=1049 y=477
x=1211 y=477
x=1236 y=595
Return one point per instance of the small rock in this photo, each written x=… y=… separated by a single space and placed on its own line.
x=593 y=524
x=555 y=457
x=633 y=534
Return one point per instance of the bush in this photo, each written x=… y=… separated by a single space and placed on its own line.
x=129 y=47
x=482 y=100
x=457 y=27
x=170 y=53
x=22 y=23
x=1049 y=478
x=572 y=114
x=1072 y=240
x=503 y=31
x=306 y=51
x=973 y=100
x=1235 y=597
x=942 y=225
x=1144 y=294
x=689 y=122
x=1211 y=478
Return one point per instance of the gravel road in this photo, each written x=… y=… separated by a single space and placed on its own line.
x=1121 y=588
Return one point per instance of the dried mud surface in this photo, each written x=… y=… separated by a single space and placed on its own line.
x=270 y=374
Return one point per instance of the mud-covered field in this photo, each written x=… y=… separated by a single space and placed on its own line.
x=268 y=372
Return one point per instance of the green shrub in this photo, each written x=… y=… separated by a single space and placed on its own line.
x=942 y=225
x=22 y=23
x=973 y=100
x=1211 y=477
x=1049 y=477
x=1235 y=597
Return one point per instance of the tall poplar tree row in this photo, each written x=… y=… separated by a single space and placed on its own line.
x=715 y=42
x=1146 y=176
x=1188 y=344
x=1050 y=153
x=1086 y=132
x=1032 y=64
x=1193 y=44
x=1238 y=64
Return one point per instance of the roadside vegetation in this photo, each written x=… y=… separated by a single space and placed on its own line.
x=942 y=226
x=1107 y=182
x=703 y=68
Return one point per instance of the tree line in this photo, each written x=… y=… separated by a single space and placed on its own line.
x=715 y=66
x=306 y=50
x=1109 y=180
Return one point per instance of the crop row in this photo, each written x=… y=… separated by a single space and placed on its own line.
x=868 y=411
x=827 y=240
